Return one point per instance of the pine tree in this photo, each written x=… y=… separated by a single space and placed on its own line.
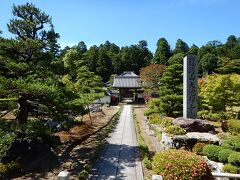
x=171 y=91
x=27 y=73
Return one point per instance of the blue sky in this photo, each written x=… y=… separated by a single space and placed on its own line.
x=125 y=22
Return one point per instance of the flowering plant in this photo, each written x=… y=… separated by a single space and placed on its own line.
x=180 y=164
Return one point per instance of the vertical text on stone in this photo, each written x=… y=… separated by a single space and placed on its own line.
x=190 y=86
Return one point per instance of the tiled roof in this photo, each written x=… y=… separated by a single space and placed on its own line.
x=127 y=80
x=128 y=74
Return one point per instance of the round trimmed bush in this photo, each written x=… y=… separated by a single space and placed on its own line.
x=211 y=151
x=154 y=119
x=232 y=142
x=234 y=159
x=180 y=164
x=166 y=121
x=150 y=111
x=231 y=169
x=197 y=148
x=234 y=126
x=175 y=130
x=224 y=154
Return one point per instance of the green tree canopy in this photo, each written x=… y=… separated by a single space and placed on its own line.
x=176 y=59
x=193 y=50
x=29 y=22
x=181 y=47
x=72 y=61
x=162 y=53
x=208 y=63
x=134 y=57
x=231 y=42
x=219 y=93
x=27 y=59
x=171 y=91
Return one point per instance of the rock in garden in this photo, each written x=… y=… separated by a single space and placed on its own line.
x=203 y=137
x=194 y=125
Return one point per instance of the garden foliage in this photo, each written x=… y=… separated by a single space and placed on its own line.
x=224 y=154
x=197 y=148
x=229 y=168
x=160 y=120
x=180 y=164
x=219 y=97
x=232 y=142
x=234 y=126
x=175 y=130
x=211 y=151
x=234 y=159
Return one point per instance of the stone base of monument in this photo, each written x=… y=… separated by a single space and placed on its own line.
x=197 y=130
x=194 y=125
x=188 y=140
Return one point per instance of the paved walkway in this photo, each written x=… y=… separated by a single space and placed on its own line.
x=120 y=156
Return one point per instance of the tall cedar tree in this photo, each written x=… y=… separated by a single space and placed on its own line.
x=181 y=47
x=134 y=57
x=162 y=53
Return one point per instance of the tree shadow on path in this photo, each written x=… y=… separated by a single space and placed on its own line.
x=116 y=162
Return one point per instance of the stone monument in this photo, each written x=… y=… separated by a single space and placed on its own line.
x=190 y=86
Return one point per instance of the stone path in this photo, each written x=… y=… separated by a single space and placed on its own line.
x=120 y=156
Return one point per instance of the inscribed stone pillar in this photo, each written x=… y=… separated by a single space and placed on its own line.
x=190 y=86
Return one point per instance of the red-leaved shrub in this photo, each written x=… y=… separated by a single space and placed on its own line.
x=180 y=164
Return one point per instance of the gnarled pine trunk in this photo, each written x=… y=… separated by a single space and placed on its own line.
x=23 y=110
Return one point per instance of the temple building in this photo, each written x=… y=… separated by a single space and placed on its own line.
x=129 y=86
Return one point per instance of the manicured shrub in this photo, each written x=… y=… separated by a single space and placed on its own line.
x=165 y=122
x=232 y=142
x=197 y=148
x=147 y=162
x=234 y=159
x=224 y=154
x=154 y=119
x=228 y=168
x=150 y=111
x=153 y=103
x=8 y=104
x=162 y=121
x=7 y=168
x=211 y=151
x=205 y=114
x=180 y=164
x=5 y=141
x=234 y=126
x=6 y=126
x=175 y=130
